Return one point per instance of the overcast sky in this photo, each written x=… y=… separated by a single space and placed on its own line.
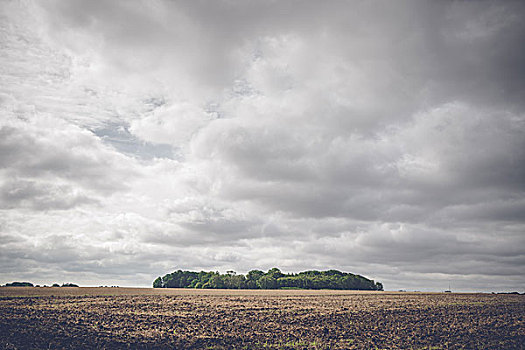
x=381 y=138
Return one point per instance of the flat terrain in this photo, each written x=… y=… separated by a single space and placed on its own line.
x=116 y=318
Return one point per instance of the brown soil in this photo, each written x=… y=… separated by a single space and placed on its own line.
x=117 y=318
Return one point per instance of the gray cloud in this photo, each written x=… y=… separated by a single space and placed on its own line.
x=19 y=194
x=382 y=139
x=61 y=153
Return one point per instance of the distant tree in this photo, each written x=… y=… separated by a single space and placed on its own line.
x=238 y=282
x=19 y=284
x=334 y=273
x=267 y=282
x=289 y=282
x=274 y=278
x=158 y=283
x=254 y=275
x=69 y=285
x=55 y=285
x=275 y=273
x=216 y=282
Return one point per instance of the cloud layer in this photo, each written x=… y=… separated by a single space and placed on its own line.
x=141 y=137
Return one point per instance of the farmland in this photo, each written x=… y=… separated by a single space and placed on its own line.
x=115 y=318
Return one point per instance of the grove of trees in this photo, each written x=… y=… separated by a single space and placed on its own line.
x=272 y=279
x=29 y=284
x=19 y=284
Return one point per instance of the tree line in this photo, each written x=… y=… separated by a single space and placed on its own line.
x=273 y=279
x=29 y=284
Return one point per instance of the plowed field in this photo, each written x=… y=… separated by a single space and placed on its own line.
x=117 y=318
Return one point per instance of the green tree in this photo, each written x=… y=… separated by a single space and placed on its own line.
x=274 y=278
x=216 y=282
x=254 y=275
x=19 y=284
x=158 y=283
x=267 y=282
x=69 y=285
x=275 y=273
x=238 y=282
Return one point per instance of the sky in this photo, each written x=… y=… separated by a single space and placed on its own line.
x=381 y=138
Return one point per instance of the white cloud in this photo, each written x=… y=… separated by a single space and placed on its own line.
x=175 y=124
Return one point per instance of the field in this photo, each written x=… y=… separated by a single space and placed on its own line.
x=117 y=318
